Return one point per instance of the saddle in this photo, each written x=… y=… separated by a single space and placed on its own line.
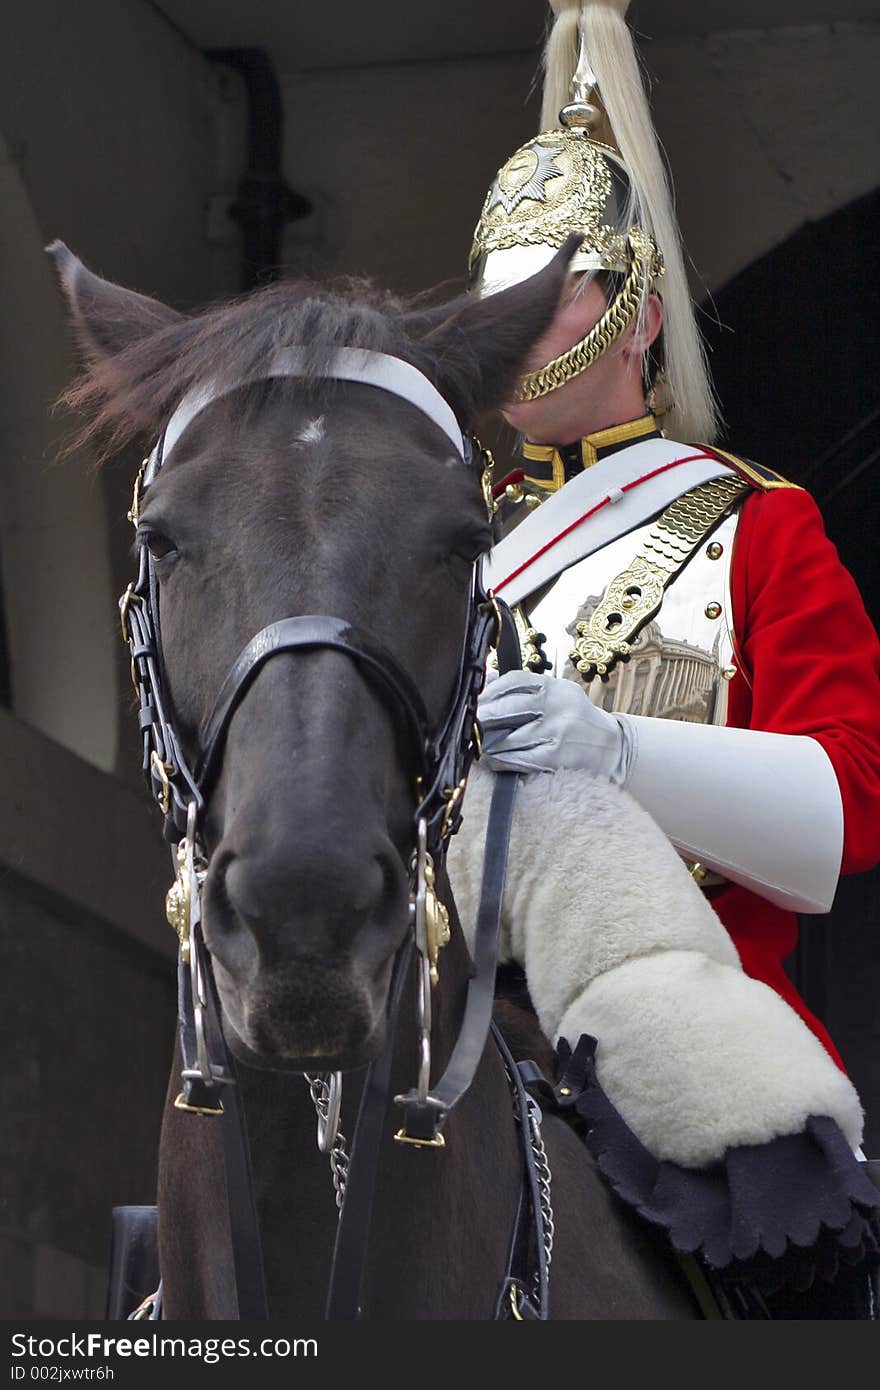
x=742 y=1291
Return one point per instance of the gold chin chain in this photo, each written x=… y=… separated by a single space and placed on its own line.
x=646 y=265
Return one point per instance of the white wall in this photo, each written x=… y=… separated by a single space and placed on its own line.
x=114 y=134
x=53 y=541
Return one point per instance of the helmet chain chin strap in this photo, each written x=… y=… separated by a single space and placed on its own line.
x=646 y=266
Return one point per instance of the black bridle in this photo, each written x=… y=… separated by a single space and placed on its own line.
x=443 y=756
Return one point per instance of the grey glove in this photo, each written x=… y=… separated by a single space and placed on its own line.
x=536 y=723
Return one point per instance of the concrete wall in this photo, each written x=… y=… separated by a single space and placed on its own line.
x=52 y=523
x=86 y=1031
x=114 y=136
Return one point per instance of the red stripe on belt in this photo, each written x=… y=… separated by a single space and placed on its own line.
x=627 y=487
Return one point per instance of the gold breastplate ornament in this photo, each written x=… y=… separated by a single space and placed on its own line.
x=645 y=624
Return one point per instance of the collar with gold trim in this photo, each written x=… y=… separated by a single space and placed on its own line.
x=552 y=466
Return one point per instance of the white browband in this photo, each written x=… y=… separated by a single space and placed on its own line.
x=347 y=364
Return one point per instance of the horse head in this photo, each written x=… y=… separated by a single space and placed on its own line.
x=292 y=495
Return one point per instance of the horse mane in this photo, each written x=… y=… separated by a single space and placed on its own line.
x=132 y=392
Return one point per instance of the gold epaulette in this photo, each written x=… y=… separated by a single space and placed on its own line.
x=765 y=479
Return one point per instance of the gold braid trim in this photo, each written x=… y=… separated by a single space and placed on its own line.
x=645 y=266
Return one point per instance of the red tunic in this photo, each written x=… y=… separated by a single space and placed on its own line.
x=809 y=663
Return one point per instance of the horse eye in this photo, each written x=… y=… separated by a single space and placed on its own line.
x=159 y=545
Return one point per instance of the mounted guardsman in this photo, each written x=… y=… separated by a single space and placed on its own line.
x=688 y=631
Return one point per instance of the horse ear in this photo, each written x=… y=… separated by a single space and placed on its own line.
x=106 y=317
x=480 y=346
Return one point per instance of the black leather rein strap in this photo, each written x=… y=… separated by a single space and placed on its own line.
x=423 y=1120
x=299 y=634
x=241 y=1204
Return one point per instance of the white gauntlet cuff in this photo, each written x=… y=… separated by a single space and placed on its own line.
x=762 y=809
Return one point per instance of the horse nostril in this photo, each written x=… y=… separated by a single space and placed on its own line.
x=394 y=889
x=307 y=903
x=241 y=883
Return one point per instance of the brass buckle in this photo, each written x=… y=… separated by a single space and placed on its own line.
x=453 y=796
x=144 y=1309
x=134 y=512
x=181 y=1104
x=162 y=770
x=486 y=476
x=486 y=484
x=438 y=1142
x=124 y=604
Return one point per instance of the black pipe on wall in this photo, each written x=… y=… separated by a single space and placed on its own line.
x=264 y=202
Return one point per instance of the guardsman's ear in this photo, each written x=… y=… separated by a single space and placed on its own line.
x=638 y=339
x=106 y=318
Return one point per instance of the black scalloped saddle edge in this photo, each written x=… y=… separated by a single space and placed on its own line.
x=776 y=1214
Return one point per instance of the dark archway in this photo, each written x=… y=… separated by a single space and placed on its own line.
x=794 y=358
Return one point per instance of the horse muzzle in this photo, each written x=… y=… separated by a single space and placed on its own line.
x=302 y=949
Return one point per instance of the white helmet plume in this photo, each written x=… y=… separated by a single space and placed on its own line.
x=627 y=126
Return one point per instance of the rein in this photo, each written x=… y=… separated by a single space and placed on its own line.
x=444 y=757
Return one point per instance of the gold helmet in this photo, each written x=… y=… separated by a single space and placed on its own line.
x=596 y=168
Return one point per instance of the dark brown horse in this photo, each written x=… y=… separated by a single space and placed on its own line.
x=301 y=495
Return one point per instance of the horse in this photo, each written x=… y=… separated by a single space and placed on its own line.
x=303 y=493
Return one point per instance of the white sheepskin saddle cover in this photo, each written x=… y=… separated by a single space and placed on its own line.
x=617 y=941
